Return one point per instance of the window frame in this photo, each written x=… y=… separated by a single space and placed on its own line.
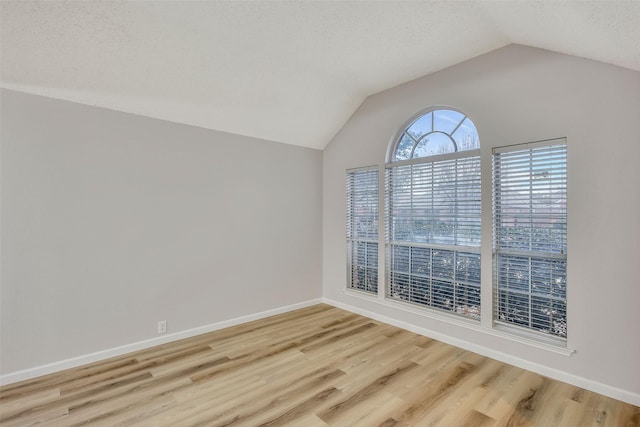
x=486 y=324
x=557 y=147
x=457 y=250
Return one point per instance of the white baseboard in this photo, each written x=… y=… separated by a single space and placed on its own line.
x=141 y=345
x=614 y=392
x=604 y=389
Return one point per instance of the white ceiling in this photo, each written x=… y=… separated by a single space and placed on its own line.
x=287 y=71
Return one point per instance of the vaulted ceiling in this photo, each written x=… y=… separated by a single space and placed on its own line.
x=287 y=71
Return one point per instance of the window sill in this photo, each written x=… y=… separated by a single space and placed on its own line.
x=500 y=331
x=361 y=294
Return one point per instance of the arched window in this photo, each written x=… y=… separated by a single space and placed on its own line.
x=432 y=198
x=436 y=132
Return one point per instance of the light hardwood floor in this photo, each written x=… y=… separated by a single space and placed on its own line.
x=317 y=366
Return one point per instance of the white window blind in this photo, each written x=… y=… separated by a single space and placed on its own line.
x=433 y=233
x=530 y=236
x=362 y=229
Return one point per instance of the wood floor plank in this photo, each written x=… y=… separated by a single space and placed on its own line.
x=22 y=403
x=135 y=414
x=376 y=412
x=92 y=412
x=506 y=391
x=361 y=411
x=288 y=391
x=310 y=420
x=377 y=385
x=319 y=366
x=456 y=407
x=424 y=400
x=206 y=407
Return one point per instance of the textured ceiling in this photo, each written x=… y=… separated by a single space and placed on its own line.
x=287 y=71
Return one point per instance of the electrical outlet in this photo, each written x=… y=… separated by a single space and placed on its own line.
x=162 y=327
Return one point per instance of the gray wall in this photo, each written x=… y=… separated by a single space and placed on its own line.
x=514 y=95
x=111 y=222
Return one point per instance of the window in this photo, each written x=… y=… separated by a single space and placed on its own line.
x=432 y=197
x=433 y=226
x=362 y=229
x=530 y=236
